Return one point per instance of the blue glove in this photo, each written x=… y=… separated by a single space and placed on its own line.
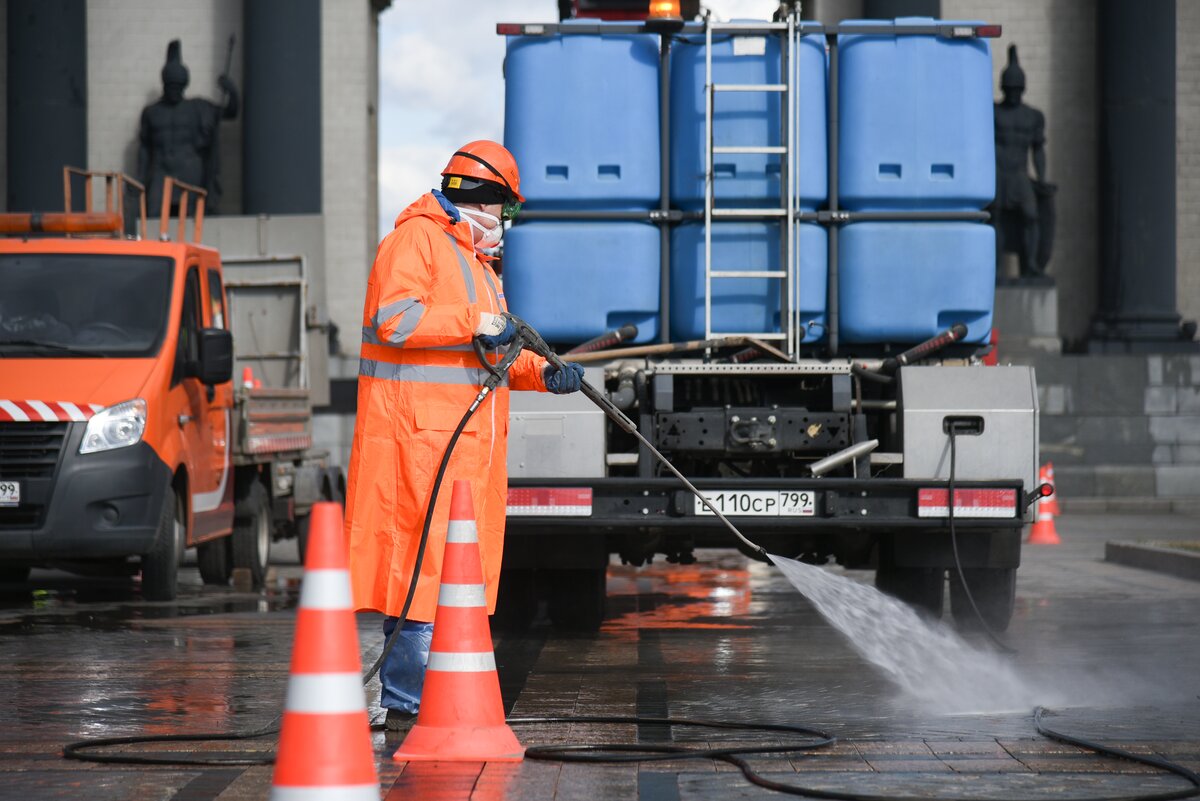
x=567 y=379
x=494 y=340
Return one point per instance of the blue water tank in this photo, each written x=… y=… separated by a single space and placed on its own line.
x=745 y=305
x=907 y=281
x=581 y=118
x=915 y=121
x=746 y=119
x=576 y=280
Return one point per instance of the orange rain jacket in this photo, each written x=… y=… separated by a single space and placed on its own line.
x=418 y=374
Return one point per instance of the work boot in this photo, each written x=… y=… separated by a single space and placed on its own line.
x=397 y=719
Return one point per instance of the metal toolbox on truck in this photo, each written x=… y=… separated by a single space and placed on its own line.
x=998 y=410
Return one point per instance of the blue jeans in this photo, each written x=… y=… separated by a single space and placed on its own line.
x=403 y=671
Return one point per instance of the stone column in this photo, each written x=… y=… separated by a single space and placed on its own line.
x=1138 y=312
x=47 y=99
x=889 y=9
x=281 y=139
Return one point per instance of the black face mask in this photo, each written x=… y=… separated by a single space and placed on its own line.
x=173 y=93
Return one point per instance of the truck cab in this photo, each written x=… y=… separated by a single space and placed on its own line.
x=118 y=418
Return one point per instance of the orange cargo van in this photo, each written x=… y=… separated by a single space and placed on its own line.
x=119 y=420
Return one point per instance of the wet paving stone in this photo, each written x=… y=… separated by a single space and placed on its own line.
x=1111 y=650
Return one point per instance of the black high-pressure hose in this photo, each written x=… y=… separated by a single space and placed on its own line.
x=527 y=337
x=83 y=749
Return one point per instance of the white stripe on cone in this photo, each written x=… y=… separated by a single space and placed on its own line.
x=461 y=531
x=326 y=693
x=342 y=792
x=476 y=662
x=325 y=589
x=462 y=595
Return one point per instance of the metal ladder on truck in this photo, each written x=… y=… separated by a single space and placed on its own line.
x=789 y=334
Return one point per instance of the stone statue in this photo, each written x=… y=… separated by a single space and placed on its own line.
x=1023 y=212
x=178 y=137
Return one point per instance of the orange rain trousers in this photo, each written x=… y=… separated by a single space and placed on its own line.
x=418 y=375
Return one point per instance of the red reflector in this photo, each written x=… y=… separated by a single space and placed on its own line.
x=550 y=501
x=988 y=31
x=932 y=502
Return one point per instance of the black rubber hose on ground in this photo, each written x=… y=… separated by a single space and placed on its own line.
x=84 y=749
x=617 y=752
x=625 y=752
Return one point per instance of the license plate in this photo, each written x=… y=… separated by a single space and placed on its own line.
x=10 y=493
x=760 y=503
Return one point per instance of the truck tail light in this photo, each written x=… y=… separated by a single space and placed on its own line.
x=549 y=501
x=974 y=503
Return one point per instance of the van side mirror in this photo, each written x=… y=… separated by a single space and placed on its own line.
x=216 y=356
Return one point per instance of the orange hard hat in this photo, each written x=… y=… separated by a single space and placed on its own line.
x=485 y=160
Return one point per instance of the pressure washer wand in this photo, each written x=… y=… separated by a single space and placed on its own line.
x=532 y=340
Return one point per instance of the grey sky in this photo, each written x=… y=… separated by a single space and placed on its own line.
x=440 y=83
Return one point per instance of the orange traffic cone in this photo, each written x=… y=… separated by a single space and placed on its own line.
x=1046 y=476
x=247 y=378
x=1043 y=531
x=462 y=714
x=325 y=744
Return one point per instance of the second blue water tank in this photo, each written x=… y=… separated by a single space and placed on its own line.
x=745 y=119
x=745 y=305
x=915 y=121
x=908 y=281
x=573 y=281
x=581 y=118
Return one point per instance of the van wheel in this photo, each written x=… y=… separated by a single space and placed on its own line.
x=920 y=587
x=160 y=567
x=994 y=590
x=215 y=561
x=252 y=533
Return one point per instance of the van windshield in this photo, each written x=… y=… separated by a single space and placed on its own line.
x=82 y=305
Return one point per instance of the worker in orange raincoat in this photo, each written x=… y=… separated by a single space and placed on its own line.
x=429 y=295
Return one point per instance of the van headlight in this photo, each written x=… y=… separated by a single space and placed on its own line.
x=115 y=427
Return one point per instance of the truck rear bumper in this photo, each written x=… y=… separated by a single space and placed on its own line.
x=849 y=517
x=836 y=505
x=95 y=506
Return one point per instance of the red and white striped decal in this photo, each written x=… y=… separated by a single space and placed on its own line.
x=550 y=501
x=932 y=502
x=36 y=411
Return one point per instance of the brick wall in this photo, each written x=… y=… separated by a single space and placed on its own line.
x=1119 y=426
x=1187 y=157
x=127 y=47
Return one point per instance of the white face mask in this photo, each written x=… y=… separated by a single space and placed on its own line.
x=491 y=235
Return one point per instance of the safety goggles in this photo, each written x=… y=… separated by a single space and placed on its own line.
x=510 y=209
